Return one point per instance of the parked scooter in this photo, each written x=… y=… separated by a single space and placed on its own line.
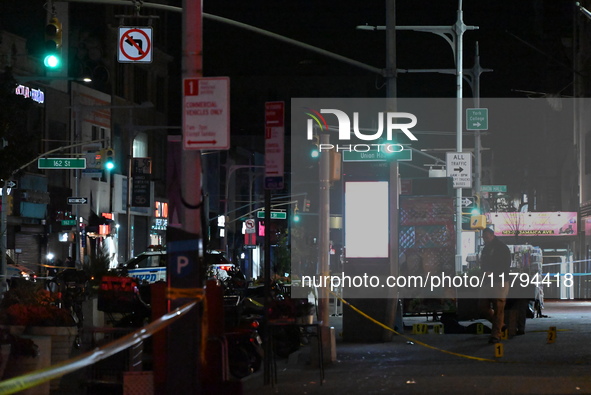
x=245 y=350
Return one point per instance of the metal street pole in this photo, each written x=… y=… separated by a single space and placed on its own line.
x=454 y=36
x=3 y=238
x=459 y=29
x=394 y=177
x=323 y=232
x=183 y=375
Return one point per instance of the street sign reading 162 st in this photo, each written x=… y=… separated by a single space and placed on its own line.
x=61 y=163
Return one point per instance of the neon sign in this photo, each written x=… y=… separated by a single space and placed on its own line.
x=36 y=95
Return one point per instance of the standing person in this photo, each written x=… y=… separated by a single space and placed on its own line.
x=69 y=262
x=496 y=261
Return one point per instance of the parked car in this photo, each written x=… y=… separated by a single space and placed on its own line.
x=150 y=266
x=19 y=271
x=217 y=265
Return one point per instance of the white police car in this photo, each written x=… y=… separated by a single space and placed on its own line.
x=149 y=266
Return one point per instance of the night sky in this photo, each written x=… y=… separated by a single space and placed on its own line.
x=527 y=44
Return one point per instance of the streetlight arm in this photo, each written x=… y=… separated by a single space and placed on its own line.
x=583 y=10
x=52 y=151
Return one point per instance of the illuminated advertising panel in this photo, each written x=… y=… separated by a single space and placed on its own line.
x=534 y=224
x=366 y=219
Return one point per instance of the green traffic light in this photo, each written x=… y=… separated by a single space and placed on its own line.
x=109 y=165
x=51 y=61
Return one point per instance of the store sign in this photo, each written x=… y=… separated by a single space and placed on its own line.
x=36 y=95
x=534 y=224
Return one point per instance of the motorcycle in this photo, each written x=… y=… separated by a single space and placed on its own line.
x=245 y=349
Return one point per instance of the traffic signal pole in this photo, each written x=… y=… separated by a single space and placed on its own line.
x=184 y=349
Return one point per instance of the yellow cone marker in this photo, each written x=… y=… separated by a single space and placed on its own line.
x=551 y=335
x=479 y=329
x=505 y=334
x=498 y=350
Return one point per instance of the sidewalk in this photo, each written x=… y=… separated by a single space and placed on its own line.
x=451 y=363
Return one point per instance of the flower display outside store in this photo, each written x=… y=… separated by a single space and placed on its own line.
x=28 y=304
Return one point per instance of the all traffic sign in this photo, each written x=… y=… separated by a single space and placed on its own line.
x=459 y=167
x=206 y=113
x=135 y=44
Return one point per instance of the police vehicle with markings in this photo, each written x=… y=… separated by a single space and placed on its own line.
x=150 y=266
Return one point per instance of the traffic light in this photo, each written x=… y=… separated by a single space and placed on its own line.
x=109 y=159
x=315 y=152
x=306 y=205
x=53 y=44
x=296 y=214
x=478 y=222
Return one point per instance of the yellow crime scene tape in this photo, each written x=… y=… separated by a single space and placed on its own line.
x=185 y=293
x=413 y=339
x=40 y=376
x=254 y=302
x=56 y=267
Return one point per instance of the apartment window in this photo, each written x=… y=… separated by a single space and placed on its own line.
x=98 y=133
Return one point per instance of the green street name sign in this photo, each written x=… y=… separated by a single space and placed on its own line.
x=61 y=163
x=374 y=155
x=493 y=188
x=274 y=214
x=477 y=119
x=68 y=222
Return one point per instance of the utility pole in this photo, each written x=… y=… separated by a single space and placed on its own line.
x=394 y=177
x=454 y=37
x=323 y=235
x=184 y=371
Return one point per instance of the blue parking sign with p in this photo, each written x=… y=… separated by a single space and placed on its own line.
x=183 y=249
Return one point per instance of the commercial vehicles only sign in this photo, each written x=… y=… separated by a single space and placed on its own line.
x=274 y=147
x=459 y=168
x=206 y=113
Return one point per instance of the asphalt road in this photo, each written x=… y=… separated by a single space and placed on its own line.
x=450 y=363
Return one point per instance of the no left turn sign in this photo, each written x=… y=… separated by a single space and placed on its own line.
x=135 y=44
x=249 y=226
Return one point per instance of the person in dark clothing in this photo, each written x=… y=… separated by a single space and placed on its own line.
x=69 y=262
x=495 y=261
